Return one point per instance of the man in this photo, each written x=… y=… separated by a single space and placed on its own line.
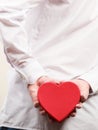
x=49 y=40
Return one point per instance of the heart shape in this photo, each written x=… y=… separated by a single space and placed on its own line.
x=59 y=100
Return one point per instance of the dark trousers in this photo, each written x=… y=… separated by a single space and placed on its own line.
x=6 y=128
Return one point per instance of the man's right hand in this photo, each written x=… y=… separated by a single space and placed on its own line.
x=33 y=89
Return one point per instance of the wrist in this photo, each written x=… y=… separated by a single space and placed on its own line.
x=83 y=83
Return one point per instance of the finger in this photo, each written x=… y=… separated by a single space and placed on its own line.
x=36 y=104
x=35 y=101
x=40 y=108
x=42 y=112
x=82 y=98
x=73 y=114
x=68 y=116
x=51 y=119
x=33 y=89
x=79 y=105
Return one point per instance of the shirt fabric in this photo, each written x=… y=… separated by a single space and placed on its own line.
x=57 y=38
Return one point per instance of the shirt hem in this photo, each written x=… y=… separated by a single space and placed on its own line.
x=17 y=127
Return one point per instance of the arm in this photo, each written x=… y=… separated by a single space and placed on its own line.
x=15 y=41
x=16 y=48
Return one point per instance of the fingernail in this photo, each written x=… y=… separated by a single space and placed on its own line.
x=42 y=112
x=36 y=104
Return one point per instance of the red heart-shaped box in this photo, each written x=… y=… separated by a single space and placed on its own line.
x=59 y=100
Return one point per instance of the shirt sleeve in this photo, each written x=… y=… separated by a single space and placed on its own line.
x=15 y=41
x=92 y=78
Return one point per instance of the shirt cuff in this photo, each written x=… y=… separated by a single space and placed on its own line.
x=31 y=72
x=91 y=81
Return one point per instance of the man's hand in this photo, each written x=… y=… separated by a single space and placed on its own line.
x=84 y=88
x=33 y=89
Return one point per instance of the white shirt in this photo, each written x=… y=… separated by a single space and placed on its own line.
x=58 y=38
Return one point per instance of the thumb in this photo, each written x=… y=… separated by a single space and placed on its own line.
x=84 y=96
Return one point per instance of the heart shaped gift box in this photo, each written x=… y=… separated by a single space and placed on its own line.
x=58 y=100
